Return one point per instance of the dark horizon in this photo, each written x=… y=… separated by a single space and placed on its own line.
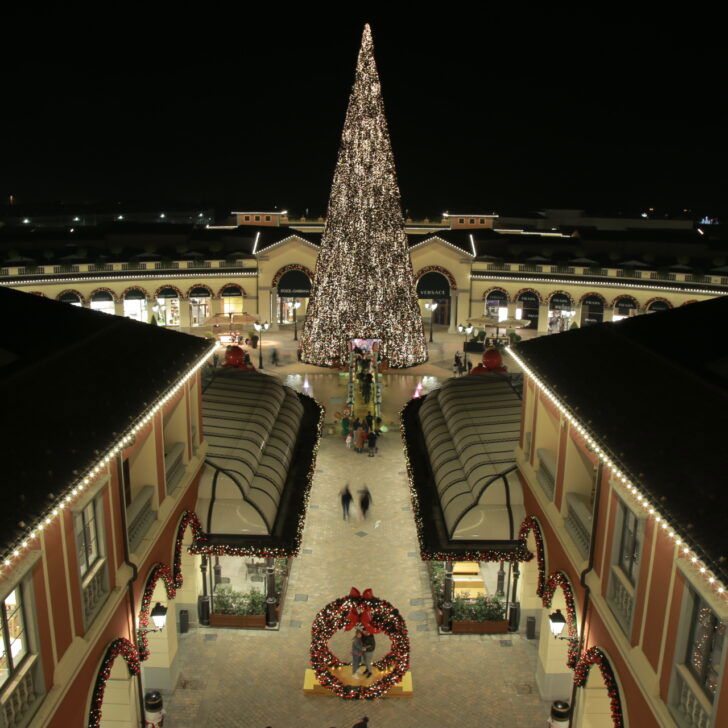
x=521 y=117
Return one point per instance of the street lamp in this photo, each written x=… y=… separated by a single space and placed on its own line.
x=260 y=328
x=159 y=618
x=431 y=308
x=557 y=622
x=466 y=330
x=296 y=305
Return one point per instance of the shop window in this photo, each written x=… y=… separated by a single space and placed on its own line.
x=621 y=595
x=135 y=306
x=697 y=678
x=102 y=301
x=257 y=218
x=705 y=646
x=267 y=218
x=247 y=218
x=461 y=220
x=481 y=221
x=21 y=683
x=91 y=555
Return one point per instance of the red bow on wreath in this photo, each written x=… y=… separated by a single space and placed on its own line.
x=365 y=616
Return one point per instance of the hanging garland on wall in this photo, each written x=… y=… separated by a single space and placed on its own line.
x=345 y=613
x=159 y=571
x=594 y=656
x=119 y=646
x=189 y=518
x=531 y=524
x=559 y=579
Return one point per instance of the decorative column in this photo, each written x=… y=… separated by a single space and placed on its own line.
x=453 y=329
x=271 y=619
x=608 y=314
x=500 y=590
x=543 y=317
x=119 y=308
x=447 y=599
x=184 y=314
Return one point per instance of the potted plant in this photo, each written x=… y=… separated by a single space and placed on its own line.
x=231 y=608
x=482 y=615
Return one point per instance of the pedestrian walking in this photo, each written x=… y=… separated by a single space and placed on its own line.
x=365 y=500
x=345 y=424
x=370 y=420
x=346 y=499
x=357 y=654
x=361 y=437
x=372 y=443
x=363 y=723
x=457 y=365
x=274 y=357
x=368 y=643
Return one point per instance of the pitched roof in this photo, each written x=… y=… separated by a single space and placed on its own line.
x=653 y=391
x=71 y=382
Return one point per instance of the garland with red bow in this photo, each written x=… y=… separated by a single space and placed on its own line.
x=375 y=615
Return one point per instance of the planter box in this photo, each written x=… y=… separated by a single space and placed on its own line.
x=241 y=621
x=474 y=346
x=468 y=627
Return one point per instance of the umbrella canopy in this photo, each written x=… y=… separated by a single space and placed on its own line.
x=514 y=323
x=235 y=318
x=483 y=321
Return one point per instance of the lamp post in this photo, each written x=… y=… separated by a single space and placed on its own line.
x=296 y=306
x=466 y=330
x=431 y=308
x=557 y=622
x=260 y=328
x=159 y=617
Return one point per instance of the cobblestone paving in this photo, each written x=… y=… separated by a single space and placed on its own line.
x=254 y=679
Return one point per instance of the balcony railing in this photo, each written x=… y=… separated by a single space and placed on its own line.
x=95 y=589
x=692 y=707
x=16 y=709
x=546 y=473
x=578 y=521
x=621 y=599
x=140 y=515
x=174 y=465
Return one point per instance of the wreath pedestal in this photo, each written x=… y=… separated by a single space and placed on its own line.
x=311 y=686
x=330 y=675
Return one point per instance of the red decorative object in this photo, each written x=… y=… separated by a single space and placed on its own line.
x=119 y=646
x=492 y=363
x=384 y=618
x=530 y=524
x=235 y=359
x=594 y=656
x=559 y=579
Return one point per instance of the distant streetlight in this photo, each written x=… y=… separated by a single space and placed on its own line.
x=466 y=330
x=260 y=328
x=431 y=308
x=296 y=305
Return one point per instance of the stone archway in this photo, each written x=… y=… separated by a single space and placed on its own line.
x=598 y=700
x=533 y=572
x=557 y=657
x=114 y=695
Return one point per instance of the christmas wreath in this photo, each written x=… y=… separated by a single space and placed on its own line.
x=376 y=615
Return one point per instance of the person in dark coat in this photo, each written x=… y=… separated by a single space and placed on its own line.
x=346 y=499
x=365 y=500
x=369 y=419
x=372 y=443
x=363 y=723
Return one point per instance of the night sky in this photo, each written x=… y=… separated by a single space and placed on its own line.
x=486 y=112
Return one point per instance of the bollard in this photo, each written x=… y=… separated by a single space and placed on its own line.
x=560 y=711
x=154 y=709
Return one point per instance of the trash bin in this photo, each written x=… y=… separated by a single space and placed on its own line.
x=560 y=711
x=184 y=621
x=531 y=628
x=153 y=709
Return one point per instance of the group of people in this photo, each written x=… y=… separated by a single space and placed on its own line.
x=359 y=433
x=363 y=365
x=362 y=647
x=365 y=500
x=460 y=364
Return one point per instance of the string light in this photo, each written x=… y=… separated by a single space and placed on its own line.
x=639 y=497
x=364 y=284
x=106 y=279
x=45 y=519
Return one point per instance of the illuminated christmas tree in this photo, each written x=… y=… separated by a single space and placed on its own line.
x=364 y=286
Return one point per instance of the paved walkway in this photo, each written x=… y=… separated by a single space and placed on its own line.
x=254 y=679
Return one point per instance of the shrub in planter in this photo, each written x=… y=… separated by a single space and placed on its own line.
x=480 y=609
x=437 y=579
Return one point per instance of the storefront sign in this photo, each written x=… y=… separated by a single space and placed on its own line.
x=593 y=301
x=294 y=284
x=433 y=285
x=529 y=299
x=659 y=306
x=560 y=302
x=625 y=305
